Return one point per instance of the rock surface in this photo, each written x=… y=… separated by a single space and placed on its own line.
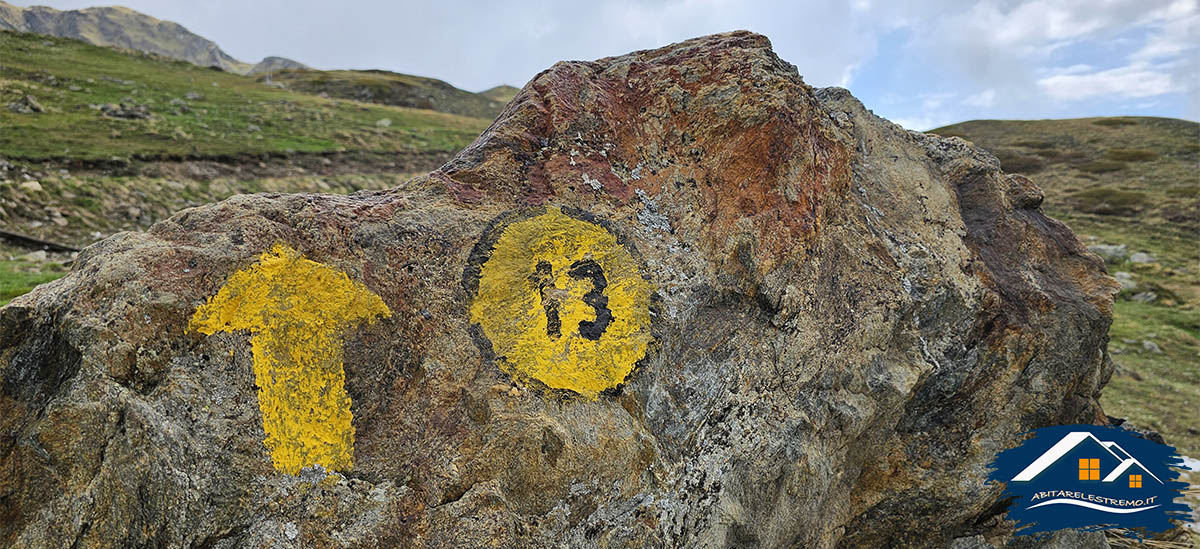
x=1110 y=252
x=127 y=111
x=275 y=63
x=848 y=321
x=27 y=104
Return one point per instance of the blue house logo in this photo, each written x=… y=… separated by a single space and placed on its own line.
x=1085 y=476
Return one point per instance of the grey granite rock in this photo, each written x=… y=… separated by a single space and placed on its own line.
x=849 y=320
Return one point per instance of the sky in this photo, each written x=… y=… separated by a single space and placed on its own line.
x=920 y=64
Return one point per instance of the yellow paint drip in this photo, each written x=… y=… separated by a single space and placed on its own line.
x=512 y=304
x=296 y=310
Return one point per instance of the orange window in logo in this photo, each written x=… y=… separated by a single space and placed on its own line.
x=1089 y=469
x=1135 y=481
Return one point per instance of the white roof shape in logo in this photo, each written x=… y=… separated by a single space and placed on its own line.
x=1126 y=463
x=1068 y=443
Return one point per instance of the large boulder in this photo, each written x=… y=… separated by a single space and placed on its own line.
x=675 y=298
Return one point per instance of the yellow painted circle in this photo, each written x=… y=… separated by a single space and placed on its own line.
x=562 y=302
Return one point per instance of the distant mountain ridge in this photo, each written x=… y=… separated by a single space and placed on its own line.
x=502 y=93
x=122 y=27
x=393 y=88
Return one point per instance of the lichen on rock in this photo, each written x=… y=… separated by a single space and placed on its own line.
x=848 y=321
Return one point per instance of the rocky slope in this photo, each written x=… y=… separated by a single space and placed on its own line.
x=122 y=27
x=1118 y=168
x=273 y=64
x=773 y=319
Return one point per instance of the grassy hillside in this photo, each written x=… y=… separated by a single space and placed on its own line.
x=95 y=140
x=21 y=270
x=502 y=93
x=79 y=208
x=1133 y=182
x=1118 y=168
x=95 y=102
x=390 y=88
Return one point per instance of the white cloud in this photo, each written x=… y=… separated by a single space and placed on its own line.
x=997 y=58
x=1077 y=68
x=1029 y=58
x=983 y=99
x=1171 y=39
x=1122 y=82
x=848 y=75
x=890 y=98
x=933 y=101
x=921 y=123
x=1039 y=25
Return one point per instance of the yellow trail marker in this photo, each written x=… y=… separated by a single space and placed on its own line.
x=296 y=310
x=562 y=301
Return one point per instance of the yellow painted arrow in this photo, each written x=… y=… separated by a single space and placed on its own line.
x=296 y=310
